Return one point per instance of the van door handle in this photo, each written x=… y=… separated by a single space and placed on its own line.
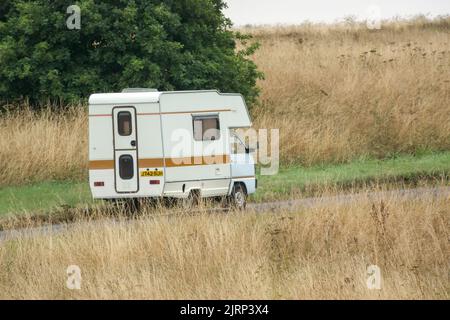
x=218 y=173
x=133 y=143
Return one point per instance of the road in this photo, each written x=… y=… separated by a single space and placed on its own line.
x=269 y=207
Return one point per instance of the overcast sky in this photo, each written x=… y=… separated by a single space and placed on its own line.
x=244 y=12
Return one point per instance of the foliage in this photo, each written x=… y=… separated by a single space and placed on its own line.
x=164 y=44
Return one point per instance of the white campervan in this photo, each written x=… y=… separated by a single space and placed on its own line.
x=149 y=144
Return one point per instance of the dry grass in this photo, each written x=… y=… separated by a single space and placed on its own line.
x=43 y=146
x=320 y=253
x=338 y=93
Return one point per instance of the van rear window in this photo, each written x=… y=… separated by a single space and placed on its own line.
x=126 y=167
x=124 y=123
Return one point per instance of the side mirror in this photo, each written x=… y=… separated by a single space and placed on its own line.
x=251 y=150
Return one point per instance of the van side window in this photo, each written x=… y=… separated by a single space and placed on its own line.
x=206 y=128
x=124 y=125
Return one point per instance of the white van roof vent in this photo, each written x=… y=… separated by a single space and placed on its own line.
x=132 y=90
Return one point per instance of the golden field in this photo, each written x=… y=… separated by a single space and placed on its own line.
x=317 y=253
x=345 y=91
x=335 y=92
x=37 y=146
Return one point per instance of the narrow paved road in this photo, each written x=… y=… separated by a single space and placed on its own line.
x=271 y=207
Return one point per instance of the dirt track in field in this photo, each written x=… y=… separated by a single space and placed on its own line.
x=267 y=207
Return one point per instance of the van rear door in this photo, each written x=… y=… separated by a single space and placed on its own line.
x=125 y=150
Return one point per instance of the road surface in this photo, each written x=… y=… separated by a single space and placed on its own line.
x=268 y=207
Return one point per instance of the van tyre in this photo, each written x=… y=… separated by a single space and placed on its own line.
x=238 y=197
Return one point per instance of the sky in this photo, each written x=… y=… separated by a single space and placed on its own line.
x=244 y=12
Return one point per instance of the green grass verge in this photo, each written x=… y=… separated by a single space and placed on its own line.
x=400 y=168
x=44 y=196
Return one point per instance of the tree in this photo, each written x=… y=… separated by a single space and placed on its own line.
x=163 y=44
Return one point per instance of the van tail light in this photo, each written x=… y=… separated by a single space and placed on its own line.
x=153 y=182
x=99 y=184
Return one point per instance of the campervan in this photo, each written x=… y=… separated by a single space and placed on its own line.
x=185 y=144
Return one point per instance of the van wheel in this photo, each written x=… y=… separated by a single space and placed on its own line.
x=238 y=198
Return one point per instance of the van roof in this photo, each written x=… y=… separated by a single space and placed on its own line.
x=125 y=97
x=138 y=97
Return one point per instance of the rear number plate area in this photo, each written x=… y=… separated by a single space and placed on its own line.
x=149 y=173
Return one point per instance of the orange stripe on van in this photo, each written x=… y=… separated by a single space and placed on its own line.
x=101 y=164
x=166 y=113
x=159 y=163
x=149 y=114
x=199 y=111
x=151 y=163
x=197 y=161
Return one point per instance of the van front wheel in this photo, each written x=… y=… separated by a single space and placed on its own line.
x=238 y=197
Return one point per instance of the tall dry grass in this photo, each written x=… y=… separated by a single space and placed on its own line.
x=319 y=253
x=342 y=92
x=335 y=92
x=43 y=145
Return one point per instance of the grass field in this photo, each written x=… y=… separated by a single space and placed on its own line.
x=341 y=92
x=295 y=182
x=337 y=94
x=358 y=111
x=43 y=197
x=318 y=253
x=291 y=182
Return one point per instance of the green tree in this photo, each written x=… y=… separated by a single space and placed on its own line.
x=163 y=44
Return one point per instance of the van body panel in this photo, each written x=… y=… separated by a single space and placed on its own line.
x=156 y=153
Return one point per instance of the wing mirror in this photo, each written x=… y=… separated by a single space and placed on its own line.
x=251 y=150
